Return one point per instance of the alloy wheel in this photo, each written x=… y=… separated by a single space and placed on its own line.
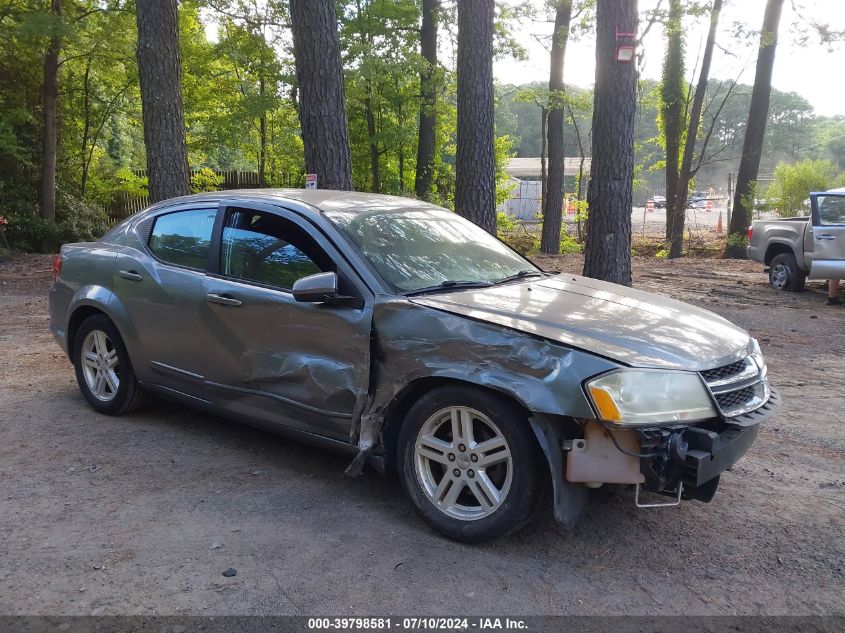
x=463 y=463
x=100 y=365
x=780 y=276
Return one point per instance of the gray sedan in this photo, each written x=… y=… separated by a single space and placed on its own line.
x=406 y=336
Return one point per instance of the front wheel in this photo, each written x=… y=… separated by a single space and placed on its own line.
x=470 y=464
x=784 y=273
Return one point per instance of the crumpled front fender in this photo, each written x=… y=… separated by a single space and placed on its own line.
x=412 y=342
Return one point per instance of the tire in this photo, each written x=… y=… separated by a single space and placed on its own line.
x=784 y=273
x=491 y=500
x=102 y=363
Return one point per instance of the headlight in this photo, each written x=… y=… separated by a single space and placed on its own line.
x=757 y=357
x=641 y=396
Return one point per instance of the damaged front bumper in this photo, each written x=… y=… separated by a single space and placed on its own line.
x=694 y=457
x=684 y=462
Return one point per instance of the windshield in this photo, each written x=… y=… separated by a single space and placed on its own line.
x=420 y=248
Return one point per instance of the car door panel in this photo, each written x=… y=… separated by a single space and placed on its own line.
x=304 y=365
x=162 y=302
x=828 y=220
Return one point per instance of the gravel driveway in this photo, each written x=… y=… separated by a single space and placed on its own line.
x=143 y=514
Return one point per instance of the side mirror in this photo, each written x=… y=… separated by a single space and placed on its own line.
x=316 y=288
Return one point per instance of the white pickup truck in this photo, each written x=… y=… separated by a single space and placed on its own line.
x=797 y=249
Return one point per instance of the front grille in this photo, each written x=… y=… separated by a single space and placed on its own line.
x=734 y=399
x=738 y=387
x=720 y=373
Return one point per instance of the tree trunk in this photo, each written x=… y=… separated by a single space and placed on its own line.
x=86 y=123
x=608 y=252
x=50 y=99
x=262 y=150
x=755 y=131
x=580 y=171
x=262 y=136
x=428 y=101
x=319 y=75
x=400 y=117
x=544 y=172
x=375 y=176
x=553 y=202
x=677 y=237
x=160 y=73
x=672 y=103
x=475 y=193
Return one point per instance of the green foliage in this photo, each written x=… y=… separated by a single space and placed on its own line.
x=582 y=209
x=522 y=241
x=505 y=222
x=76 y=221
x=130 y=183
x=380 y=41
x=108 y=185
x=734 y=240
x=569 y=244
x=526 y=241
x=239 y=93
x=793 y=184
x=501 y=154
x=519 y=113
x=515 y=234
x=673 y=91
x=205 y=180
x=829 y=137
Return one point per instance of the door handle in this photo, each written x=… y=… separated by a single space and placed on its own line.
x=223 y=300
x=825 y=236
x=130 y=275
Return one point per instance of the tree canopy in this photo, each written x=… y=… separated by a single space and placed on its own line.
x=241 y=102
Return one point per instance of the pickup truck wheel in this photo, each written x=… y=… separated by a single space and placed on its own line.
x=784 y=273
x=103 y=370
x=470 y=464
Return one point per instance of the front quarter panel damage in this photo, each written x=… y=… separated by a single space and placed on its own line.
x=412 y=342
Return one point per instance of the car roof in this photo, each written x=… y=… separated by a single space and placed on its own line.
x=321 y=199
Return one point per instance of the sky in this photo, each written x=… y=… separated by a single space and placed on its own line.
x=808 y=69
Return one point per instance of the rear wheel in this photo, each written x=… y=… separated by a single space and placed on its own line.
x=470 y=463
x=103 y=370
x=784 y=273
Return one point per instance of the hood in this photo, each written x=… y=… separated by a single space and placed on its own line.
x=626 y=325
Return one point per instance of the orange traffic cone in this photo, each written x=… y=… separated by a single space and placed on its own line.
x=719 y=228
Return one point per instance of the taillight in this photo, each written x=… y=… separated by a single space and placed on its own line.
x=749 y=232
x=57 y=266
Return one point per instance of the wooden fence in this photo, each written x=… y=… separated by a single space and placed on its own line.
x=125 y=205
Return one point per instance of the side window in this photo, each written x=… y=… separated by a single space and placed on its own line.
x=267 y=249
x=184 y=237
x=831 y=209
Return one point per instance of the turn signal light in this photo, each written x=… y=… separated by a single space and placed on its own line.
x=608 y=411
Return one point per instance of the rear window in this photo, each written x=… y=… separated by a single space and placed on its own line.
x=184 y=237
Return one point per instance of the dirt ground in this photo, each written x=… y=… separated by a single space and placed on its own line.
x=142 y=514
